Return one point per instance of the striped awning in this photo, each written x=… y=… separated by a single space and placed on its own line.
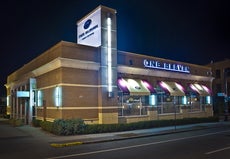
x=202 y=90
x=173 y=88
x=135 y=86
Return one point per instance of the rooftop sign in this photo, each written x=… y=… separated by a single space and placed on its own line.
x=89 y=29
x=166 y=66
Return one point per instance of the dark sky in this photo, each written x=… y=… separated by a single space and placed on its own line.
x=194 y=31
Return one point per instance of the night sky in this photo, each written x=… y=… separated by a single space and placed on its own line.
x=193 y=31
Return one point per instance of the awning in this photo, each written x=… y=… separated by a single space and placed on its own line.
x=135 y=86
x=200 y=89
x=173 y=88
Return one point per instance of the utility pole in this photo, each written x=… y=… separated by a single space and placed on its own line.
x=226 y=71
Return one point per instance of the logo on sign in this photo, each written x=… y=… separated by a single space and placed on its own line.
x=89 y=29
x=166 y=66
x=87 y=24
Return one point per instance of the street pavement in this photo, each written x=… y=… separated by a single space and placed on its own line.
x=8 y=131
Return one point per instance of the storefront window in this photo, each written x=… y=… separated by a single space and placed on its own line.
x=168 y=104
x=133 y=105
x=194 y=103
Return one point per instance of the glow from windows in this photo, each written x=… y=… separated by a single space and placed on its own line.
x=40 y=98
x=58 y=96
x=109 y=44
x=152 y=99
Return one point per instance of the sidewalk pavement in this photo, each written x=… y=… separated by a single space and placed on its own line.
x=63 y=141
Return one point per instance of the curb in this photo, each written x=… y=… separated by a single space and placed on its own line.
x=75 y=143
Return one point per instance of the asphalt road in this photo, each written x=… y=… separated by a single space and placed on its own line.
x=212 y=143
x=203 y=144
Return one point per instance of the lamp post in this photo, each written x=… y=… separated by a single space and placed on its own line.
x=174 y=103
x=226 y=71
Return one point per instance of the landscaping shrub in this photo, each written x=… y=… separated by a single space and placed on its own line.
x=77 y=126
x=47 y=126
x=68 y=127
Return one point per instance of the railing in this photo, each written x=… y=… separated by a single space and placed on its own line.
x=135 y=109
x=132 y=110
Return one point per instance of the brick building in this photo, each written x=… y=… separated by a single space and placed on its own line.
x=94 y=81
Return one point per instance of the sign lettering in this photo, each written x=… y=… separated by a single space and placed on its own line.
x=166 y=66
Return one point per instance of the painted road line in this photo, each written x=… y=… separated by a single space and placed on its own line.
x=136 y=146
x=218 y=150
x=65 y=144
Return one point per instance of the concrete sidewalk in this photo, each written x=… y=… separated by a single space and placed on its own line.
x=8 y=131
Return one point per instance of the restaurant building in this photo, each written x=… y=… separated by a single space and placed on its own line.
x=94 y=81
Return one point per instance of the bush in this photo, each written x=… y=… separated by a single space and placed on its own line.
x=105 y=128
x=68 y=127
x=47 y=126
x=77 y=126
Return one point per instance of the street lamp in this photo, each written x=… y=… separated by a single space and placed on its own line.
x=226 y=71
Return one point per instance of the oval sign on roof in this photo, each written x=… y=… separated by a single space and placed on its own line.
x=87 y=24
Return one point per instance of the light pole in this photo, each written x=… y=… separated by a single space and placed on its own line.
x=174 y=103
x=226 y=71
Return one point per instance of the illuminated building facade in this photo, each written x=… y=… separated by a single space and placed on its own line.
x=94 y=81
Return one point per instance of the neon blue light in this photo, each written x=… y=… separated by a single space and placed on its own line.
x=152 y=100
x=58 y=96
x=184 y=101
x=208 y=100
x=40 y=98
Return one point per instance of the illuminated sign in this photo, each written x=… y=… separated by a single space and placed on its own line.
x=89 y=29
x=23 y=94
x=166 y=66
